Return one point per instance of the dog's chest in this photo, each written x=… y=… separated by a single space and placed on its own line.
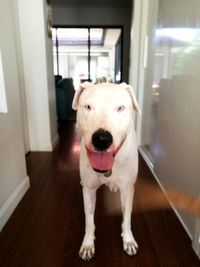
x=112 y=186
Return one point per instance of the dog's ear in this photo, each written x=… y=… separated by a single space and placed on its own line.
x=132 y=95
x=78 y=93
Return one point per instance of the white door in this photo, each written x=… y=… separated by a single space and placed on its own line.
x=168 y=92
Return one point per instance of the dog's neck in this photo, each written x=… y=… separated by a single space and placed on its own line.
x=117 y=150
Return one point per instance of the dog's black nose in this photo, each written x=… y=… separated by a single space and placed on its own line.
x=102 y=139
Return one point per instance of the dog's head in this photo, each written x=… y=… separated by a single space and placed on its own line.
x=104 y=115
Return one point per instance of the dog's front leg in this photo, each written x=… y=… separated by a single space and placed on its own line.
x=129 y=244
x=87 y=249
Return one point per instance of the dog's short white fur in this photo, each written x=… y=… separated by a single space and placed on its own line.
x=110 y=107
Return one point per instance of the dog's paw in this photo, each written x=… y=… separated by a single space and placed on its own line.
x=87 y=252
x=129 y=244
x=130 y=247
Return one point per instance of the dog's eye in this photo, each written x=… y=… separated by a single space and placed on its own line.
x=120 y=108
x=87 y=107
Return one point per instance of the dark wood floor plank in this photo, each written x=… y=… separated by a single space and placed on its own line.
x=47 y=227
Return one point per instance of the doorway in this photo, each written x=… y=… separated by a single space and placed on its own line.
x=88 y=53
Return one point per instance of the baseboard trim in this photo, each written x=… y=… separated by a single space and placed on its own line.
x=42 y=148
x=150 y=165
x=45 y=147
x=9 y=206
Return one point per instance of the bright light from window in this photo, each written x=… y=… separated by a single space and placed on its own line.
x=78 y=36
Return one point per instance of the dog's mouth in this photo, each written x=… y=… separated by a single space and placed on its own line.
x=101 y=161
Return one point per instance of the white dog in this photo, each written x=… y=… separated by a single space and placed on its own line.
x=108 y=153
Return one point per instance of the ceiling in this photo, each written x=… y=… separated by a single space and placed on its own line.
x=92 y=3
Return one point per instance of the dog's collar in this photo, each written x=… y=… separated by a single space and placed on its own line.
x=108 y=173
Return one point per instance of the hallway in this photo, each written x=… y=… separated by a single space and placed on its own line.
x=47 y=227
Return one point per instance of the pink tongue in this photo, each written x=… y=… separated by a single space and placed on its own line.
x=101 y=160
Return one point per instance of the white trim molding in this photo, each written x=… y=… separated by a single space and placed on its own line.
x=9 y=206
x=48 y=147
x=45 y=147
x=3 y=102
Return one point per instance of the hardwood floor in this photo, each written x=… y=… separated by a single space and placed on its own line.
x=47 y=227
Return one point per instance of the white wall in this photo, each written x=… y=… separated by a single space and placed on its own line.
x=38 y=74
x=98 y=17
x=13 y=178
